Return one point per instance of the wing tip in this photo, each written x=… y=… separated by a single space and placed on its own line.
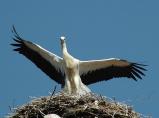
x=139 y=66
x=16 y=35
x=18 y=40
x=14 y=30
x=137 y=70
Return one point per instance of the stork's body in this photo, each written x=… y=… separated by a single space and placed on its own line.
x=74 y=74
x=73 y=83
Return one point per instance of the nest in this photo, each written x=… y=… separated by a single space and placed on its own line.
x=87 y=106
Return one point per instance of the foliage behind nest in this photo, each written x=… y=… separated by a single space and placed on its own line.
x=87 y=106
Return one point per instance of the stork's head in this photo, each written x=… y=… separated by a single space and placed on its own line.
x=62 y=38
x=63 y=43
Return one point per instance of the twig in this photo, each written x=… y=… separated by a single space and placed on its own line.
x=41 y=112
x=53 y=92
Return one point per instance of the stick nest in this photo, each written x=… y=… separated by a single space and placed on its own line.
x=87 y=106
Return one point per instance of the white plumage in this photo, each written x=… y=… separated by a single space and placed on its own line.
x=72 y=73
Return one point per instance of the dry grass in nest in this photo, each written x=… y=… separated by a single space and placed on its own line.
x=87 y=106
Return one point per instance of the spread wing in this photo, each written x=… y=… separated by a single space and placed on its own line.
x=49 y=63
x=98 y=70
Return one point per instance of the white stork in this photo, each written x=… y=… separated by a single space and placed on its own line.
x=72 y=73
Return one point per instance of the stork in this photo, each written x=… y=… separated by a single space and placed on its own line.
x=74 y=74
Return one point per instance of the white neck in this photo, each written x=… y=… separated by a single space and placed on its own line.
x=64 y=48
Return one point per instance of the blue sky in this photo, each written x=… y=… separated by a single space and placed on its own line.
x=95 y=29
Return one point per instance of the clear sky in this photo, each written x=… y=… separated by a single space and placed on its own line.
x=95 y=29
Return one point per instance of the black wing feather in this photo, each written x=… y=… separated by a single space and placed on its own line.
x=36 y=58
x=134 y=71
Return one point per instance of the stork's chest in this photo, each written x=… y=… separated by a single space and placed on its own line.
x=72 y=67
x=70 y=62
